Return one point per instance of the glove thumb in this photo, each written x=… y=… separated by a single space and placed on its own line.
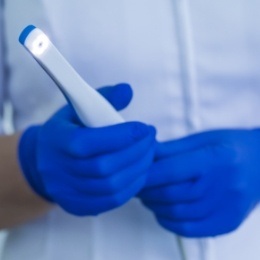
x=119 y=96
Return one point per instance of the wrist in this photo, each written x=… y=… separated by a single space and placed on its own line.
x=27 y=155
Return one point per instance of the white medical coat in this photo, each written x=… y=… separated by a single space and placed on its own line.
x=193 y=65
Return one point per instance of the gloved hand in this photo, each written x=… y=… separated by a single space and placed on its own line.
x=88 y=171
x=205 y=184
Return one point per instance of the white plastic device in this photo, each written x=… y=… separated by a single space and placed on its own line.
x=92 y=108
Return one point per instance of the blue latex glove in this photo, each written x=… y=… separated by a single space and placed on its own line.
x=205 y=184
x=88 y=171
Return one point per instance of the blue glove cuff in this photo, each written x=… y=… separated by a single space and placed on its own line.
x=27 y=158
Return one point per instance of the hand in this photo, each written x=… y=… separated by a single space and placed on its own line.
x=88 y=171
x=205 y=184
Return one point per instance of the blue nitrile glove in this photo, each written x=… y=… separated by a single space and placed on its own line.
x=205 y=184
x=88 y=171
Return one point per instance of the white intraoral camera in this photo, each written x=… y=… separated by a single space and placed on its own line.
x=92 y=109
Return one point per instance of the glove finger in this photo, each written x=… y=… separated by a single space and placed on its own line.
x=86 y=142
x=189 y=143
x=110 y=163
x=77 y=204
x=214 y=225
x=188 y=211
x=115 y=183
x=183 y=192
x=189 y=166
x=173 y=170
